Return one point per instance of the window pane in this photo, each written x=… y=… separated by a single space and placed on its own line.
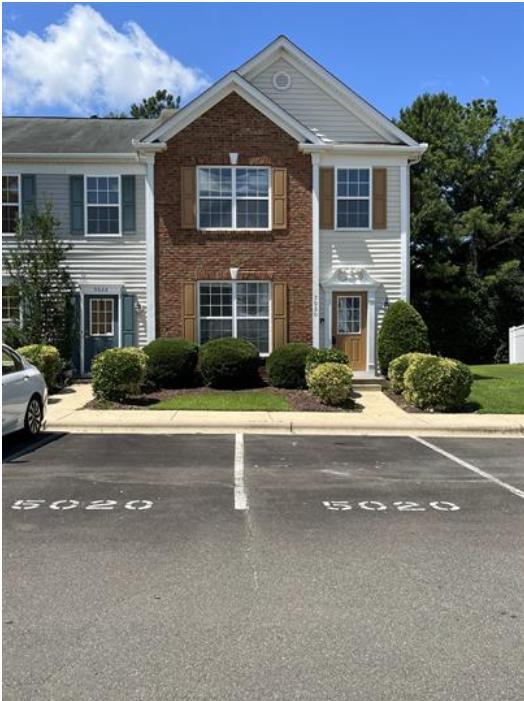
x=215 y=214
x=348 y=315
x=256 y=331
x=214 y=182
x=102 y=190
x=353 y=182
x=252 y=299
x=353 y=214
x=252 y=214
x=252 y=182
x=215 y=328
x=101 y=323
x=216 y=300
x=9 y=218
x=103 y=220
x=10 y=305
x=10 y=193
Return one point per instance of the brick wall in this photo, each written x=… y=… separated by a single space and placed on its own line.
x=233 y=125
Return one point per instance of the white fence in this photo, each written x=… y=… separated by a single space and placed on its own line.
x=516 y=344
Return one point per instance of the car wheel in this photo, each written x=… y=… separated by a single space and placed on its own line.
x=33 y=417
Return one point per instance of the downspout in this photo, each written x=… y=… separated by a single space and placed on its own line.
x=315 y=161
x=150 y=248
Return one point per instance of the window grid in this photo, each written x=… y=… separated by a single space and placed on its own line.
x=236 y=309
x=10 y=305
x=353 y=198
x=10 y=203
x=348 y=316
x=101 y=316
x=102 y=205
x=243 y=191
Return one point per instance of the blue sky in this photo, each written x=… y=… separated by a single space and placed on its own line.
x=389 y=53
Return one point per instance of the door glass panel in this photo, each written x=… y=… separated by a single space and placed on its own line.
x=348 y=315
x=101 y=317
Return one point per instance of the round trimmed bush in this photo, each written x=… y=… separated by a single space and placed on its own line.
x=403 y=331
x=332 y=383
x=118 y=373
x=437 y=383
x=171 y=362
x=397 y=369
x=286 y=366
x=46 y=359
x=317 y=356
x=229 y=362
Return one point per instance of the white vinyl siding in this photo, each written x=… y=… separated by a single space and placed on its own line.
x=306 y=101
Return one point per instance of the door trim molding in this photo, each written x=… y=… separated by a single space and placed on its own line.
x=88 y=289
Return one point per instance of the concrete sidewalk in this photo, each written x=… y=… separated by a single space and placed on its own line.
x=377 y=415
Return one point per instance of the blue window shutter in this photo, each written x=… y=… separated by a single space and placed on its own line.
x=77 y=337
x=76 y=196
x=128 y=320
x=128 y=204
x=28 y=193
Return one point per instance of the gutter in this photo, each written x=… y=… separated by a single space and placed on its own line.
x=414 y=153
x=69 y=156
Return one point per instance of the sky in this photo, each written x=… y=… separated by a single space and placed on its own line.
x=93 y=58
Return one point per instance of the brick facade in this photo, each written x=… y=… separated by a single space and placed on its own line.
x=182 y=255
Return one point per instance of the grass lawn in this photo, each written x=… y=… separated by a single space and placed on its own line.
x=226 y=401
x=498 y=389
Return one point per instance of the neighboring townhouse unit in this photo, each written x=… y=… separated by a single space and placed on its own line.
x=282 y=210
x=95 y=181
x=273 y=207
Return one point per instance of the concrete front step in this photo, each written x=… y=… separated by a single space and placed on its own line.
x=371 y=384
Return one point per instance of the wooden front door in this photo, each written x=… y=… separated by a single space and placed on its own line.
x=350 y=326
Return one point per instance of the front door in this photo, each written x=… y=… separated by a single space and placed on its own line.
x=101 y=329
x=350 y=326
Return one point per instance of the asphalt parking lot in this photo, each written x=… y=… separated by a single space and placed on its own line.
x=263 y=567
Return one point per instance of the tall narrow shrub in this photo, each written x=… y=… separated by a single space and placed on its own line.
x=403 y=331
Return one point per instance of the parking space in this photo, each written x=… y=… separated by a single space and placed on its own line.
x=223 y=567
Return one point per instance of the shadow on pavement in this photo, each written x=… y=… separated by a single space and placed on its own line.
x=17 y=445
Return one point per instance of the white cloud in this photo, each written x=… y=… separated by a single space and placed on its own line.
x=85 y=65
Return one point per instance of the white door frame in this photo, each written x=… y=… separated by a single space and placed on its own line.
x=98 y=289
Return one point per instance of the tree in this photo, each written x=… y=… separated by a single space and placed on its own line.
x=467 y=221
x=151 y=107
x=36 y=266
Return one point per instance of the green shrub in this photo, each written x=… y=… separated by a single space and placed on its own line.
x=331 y=382
x=397 y=370
x=437 y=383
x=118 y=373
x=171 y=362
x=229 y=362
x=403 y=331
x=317 y=356
x=46 y=359
x=286 y=366
x=14 y=336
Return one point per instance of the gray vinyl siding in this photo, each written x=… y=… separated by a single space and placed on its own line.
x=379 y=252
x=313 y=107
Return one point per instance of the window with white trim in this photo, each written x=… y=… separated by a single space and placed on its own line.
x=348 y=315
x=102 y=316
x=233 y=197
x=10 y=203
x=237 y=310
x=10 y=305
x=103 y=205
x=353 y=198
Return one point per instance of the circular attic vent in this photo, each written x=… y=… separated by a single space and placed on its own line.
x=281 y=80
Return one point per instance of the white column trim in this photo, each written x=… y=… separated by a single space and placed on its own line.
x=150 y=248
x=315 y=161
x=404 y=232
x=371 y=331
x=82 y=334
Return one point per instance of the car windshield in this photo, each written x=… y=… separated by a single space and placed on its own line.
x=10 y=363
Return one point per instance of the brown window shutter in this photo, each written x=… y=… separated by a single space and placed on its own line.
x=279 y=306
x=327 y=198
x=188 y=197
x=380 y=201
x=279 y=192
x=190 y=317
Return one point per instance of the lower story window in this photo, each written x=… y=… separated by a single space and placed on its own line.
x=10 y=305
x=235 y=309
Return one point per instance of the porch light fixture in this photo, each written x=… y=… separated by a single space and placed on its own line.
x=386 y=304
x=234 y=273
x=233 y=159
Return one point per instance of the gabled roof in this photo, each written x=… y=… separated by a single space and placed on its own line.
x=335 y=88
x=232 y=82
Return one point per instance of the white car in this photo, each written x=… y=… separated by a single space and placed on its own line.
x=24 y=395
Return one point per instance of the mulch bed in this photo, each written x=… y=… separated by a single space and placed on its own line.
x=299 y=399
x=399 y=400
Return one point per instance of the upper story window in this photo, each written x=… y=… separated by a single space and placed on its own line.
x=353 y=198
x=10 y=203
x=103 y=205
x=233 y=198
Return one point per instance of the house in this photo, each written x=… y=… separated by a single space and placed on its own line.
x=273 y=207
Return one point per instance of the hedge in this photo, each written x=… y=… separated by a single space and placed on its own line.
x=403 y=331
x=317 y=356
x=332 y=383
x=286 y=366
x=437 y=383
x=397 y=370
x=171 y=362
x=229 y=362
x=46 y=359
x=118 y=373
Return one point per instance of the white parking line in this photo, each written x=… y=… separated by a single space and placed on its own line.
x=469 y=466
x=240 y=490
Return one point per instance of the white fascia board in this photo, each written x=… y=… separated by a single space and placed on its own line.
x=329 y=83
x=413 y=153
x=70 y=156
x=230 y=83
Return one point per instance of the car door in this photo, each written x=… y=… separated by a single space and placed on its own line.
x=14 y=391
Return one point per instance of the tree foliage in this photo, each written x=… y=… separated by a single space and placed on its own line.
x=467 y=223
x=151 y=107
x=35 y=265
